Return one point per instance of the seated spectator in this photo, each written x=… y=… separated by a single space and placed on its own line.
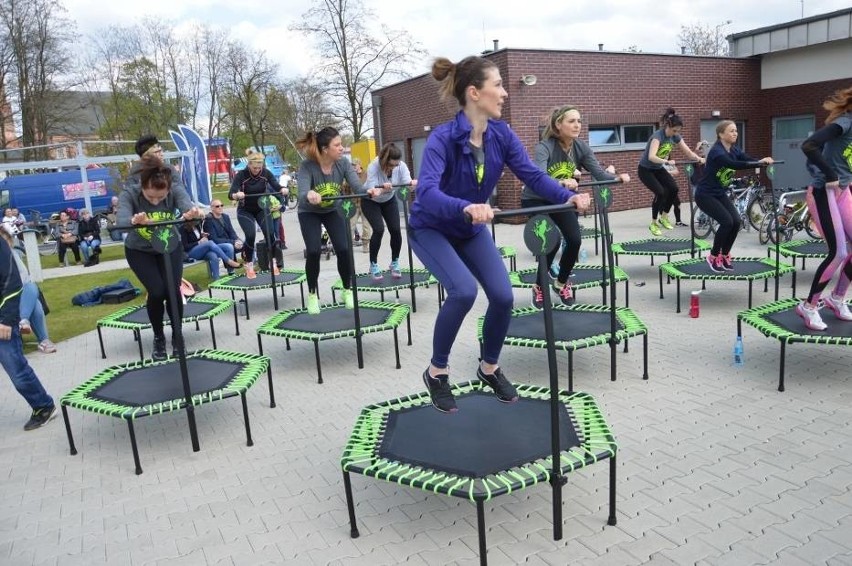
x=90 y=238
x=66 y=234
x=114 y=235
x=198 y=245
x=221 y=229
x=32 y=313
x=10 y=222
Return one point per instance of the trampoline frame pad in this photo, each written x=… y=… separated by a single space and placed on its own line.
x=397 y=314
x=114 y=320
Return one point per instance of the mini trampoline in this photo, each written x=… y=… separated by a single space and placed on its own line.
x=779 y=320
x=142 y=389
x=411 y=279
x=196 y=309
x=336 y=321
x=406 y=441
x=583 y=276
x=659 y=247
x=795 y=249
x=745 y=269
x=240 y=283
x=508 y=252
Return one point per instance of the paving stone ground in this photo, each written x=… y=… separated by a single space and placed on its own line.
x=716 y=467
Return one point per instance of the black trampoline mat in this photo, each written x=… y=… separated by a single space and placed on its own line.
x=263 y=280
x=568 y=325
x=336 y=319
x=484 y=437
x=578 y=276
x=661 y=247
x=742 y=268
x=789 y=320
x=190 y=310
x=810 y=248
x=366 y=281
x=159 y=383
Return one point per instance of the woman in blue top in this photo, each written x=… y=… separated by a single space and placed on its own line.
x=462 y=162
x=711 y=192
x=829 y=152
x=653 y=168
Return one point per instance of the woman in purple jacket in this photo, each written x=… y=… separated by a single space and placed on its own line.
x=462 y=162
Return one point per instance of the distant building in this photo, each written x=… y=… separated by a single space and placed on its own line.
x=772 y=85
x=76 y=115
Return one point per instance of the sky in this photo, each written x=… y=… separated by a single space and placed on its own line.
x=456 y=29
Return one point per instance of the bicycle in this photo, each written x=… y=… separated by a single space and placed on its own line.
x=788 y=219
x=748 y=197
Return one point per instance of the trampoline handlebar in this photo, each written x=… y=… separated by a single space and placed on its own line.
x=750 y=163
x=533 y=210
x=129 y=227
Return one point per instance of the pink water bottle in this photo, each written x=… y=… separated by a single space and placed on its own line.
x=694 y=304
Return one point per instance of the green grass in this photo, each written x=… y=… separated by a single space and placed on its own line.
x=66 y=320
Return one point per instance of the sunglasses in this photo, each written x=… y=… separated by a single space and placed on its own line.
x=217 y=206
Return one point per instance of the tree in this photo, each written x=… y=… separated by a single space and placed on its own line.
x=356 y=62
x=703 y=39
x=250 y=90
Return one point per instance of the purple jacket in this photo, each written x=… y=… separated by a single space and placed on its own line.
x=447 y=180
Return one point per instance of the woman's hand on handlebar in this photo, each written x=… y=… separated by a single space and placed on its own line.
x=767 y=161
x=581 y=201
x=479 y=213
x=314 y=197
x=192 y=214
x=375 y=191
x=239 y=195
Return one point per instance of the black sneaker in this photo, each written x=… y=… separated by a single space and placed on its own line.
x=159 y=352
x=505 y=391
x=40 y=417
x=440 y=392
x=537 y=297
x=175 y=349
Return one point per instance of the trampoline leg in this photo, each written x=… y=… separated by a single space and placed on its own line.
x=661 y=283
x=677 y=286
x=766 y=285
x=570 y=370
x=271 y=390
x=612 y=521
x=249 y=441
x=260 y=345
x=101 y=340
x=749 y=292
x=613 y=344
x=645 y=356
x=794 y=284
x=198 y=326
x=245 y=298
x=408 y=324
x=213 y=333
x=139 y=341
x=134 y=447
x=480 y=527
x=652 y=260
x=302 y=292
x=71 y=447
x=626 y=295
x=236 y=321
x=396 y=347
x=287 y=343
x=319 y=364
x=781 y=370
x=333 y=295
x=353 y=526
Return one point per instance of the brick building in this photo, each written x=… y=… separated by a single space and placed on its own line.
x=773 y=86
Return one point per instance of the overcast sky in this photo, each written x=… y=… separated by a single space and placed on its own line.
x=455 y=29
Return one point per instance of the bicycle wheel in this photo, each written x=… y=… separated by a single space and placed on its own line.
x=702 y=225
x=763 y=230
x=811 y=228
x=756 y=210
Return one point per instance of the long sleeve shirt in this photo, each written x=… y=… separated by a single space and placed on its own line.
x=720 y=168
x=450 y=179
x=253 y=186
x=376 y=178
x=311 y=178
x=829 y=152
x=552 y=158
x=10 y=286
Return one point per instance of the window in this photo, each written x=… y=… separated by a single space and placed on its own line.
x=633 y=136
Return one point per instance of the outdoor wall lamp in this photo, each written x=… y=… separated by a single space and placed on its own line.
x=716 y=113
x=529 y=80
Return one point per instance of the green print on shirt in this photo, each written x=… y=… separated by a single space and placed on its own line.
x=665 y=150
x=156 y=216
x=541 y=228
x=327 y=190
x=847 y=154
x=725 y=175
x=562 y=170
x=480 y=172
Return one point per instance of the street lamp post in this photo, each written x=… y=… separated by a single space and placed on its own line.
x=718 y=28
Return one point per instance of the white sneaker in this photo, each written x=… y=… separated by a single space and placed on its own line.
x=813 y=321
x=840 y=308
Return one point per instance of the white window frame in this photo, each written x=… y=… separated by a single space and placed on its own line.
x=621 y=145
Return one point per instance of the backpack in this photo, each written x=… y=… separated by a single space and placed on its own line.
x=94 y=296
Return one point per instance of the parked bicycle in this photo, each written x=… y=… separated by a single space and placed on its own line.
x=750 y=200
x=791 y=215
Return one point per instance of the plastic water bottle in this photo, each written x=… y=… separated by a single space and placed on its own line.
x=739 y=356
x=584 y=255
x=242 y=307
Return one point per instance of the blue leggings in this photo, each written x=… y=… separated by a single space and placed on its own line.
x=458 y=264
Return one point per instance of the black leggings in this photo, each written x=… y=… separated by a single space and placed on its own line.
x=150 y=268
x=374 y=212
x=664 y=187
x=311 y=223
x=247 y=221
x=722 y=210
x=569 y=225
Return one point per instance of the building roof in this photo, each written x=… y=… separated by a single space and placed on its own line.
x=822 y=28
x=77 y=113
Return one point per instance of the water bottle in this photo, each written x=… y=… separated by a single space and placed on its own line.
x=584 y=255
x=694 y=306
x=739 y=357
x=242 y=307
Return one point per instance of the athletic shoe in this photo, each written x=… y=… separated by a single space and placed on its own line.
x=504 y=390
x=655 y=228
x=158 y=353
x=715 y=263
x=440 y=392
x=566 y=294
x=376 y=272
x=813 y=321
x=348 y=299
x=839 y=307
x=175 y=350
x=250 y=272
x=313 y=304
x=681 y=224
x=553 y=271
x=46 y=347
x=663 y=220
x=40 y=417
x=727 y=262
x=24 y=326
x=537 y=297
x=395 y=270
